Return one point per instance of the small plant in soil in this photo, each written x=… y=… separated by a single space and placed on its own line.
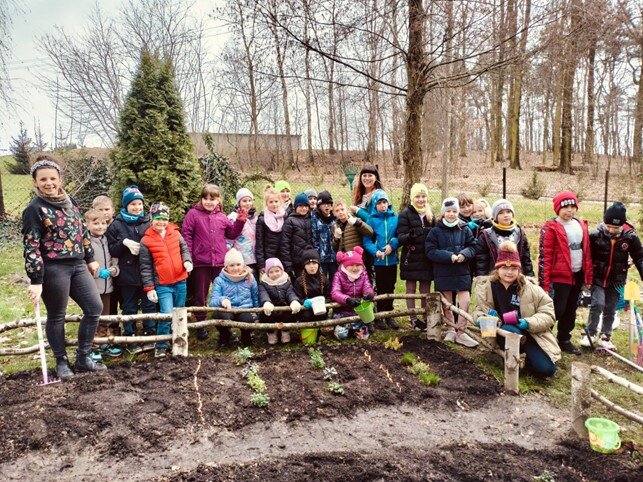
x=316 y=359
x=329 y=373
x=409 y=359
x=393 y=344
x=259 y=399
x=256 y=382
x=546 y=476
x=249 y=369
x=242 y=355
x=335 y=388
x=429 y=379
x=418 y=367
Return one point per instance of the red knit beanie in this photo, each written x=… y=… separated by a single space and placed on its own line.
x=508 y=255
x=565 y=198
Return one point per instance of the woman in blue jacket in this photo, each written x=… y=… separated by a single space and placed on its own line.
x=450 y=245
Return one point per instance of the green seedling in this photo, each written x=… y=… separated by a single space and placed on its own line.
x=335 y=388
x=259 y=399
x=256 y=383
x=329 y=373
x=429 y=379
x=316 y=359
x=242 y=355
x=546 y=476
x=408 y=359
x=249 y=370
x=419 y=367
x=393 y=344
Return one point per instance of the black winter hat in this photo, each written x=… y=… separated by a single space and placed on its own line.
x=615 y=214
x=309 y=255
x=324 y=197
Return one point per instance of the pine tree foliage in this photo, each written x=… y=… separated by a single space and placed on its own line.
x=21 y=149
x=154 y=150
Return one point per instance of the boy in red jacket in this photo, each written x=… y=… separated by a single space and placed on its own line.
x=165 y=265
x=565 y=264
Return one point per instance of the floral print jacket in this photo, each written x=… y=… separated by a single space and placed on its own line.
x=52 y=234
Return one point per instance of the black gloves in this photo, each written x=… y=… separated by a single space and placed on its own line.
x=353 y=302
x=368 y=297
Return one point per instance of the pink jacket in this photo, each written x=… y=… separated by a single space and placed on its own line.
x=343 y=288
x=205 y=233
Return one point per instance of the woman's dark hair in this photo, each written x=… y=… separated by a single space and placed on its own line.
x=359 y=190
x=46 y=161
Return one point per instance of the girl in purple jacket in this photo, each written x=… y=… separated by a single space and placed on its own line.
x=350 y=286
x=205 y=229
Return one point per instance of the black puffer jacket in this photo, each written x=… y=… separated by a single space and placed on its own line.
x=280 y=295
x=487 y=250
x=312 y=286
x=611 y=260
x=412 y=230
x=119 y=230
x=267 y=243
x=296 y=236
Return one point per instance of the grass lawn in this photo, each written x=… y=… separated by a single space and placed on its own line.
x=14 y=304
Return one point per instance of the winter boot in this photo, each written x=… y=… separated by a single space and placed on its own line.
x=63 y=371
x=202 y=334
x=285 y=337
x=85 y=364
x=272 y=338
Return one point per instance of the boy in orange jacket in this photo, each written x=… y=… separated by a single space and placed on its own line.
x=165 y=264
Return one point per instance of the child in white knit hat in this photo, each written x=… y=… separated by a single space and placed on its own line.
x=247 y=240
x=235 y=287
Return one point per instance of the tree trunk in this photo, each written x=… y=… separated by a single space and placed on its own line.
x=637 y=152
x=557 y=115
x=412 y=155
x=332 y=143
x=309 y=116
x=588 y=154
x=514 y=120
x=497 y=152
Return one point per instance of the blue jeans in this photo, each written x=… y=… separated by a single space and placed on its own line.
x=63 y=280
x=130 y=296
x=538 y=360
x=170 y=297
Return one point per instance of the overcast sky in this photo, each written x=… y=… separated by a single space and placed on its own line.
x=26 y=63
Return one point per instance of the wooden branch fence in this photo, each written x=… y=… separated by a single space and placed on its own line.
x=180 y=327
x=582 y=394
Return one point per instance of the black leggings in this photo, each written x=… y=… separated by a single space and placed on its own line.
x=225 y=334
x=64 y=280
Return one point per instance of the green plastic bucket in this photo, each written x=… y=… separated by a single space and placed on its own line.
x=365 y=311
x=309 y=335
x=603 y=435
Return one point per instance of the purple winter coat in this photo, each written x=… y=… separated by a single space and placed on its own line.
x=206 y=233
x=343 y=288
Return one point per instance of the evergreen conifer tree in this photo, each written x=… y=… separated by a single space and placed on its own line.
x=21 y=149
x=153 y=149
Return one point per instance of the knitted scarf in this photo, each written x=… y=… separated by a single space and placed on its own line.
x=131 y=218
x=352 y=277
x=502 y=227
x=450 y=225
x=274 y=221
x=60 y=200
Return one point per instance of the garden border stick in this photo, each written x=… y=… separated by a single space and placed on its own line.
x=41 y=344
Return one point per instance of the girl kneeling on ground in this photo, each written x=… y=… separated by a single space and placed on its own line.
x=523 y=306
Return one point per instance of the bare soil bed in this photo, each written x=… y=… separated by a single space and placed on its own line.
x=191 y=419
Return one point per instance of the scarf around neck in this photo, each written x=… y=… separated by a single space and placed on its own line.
x=501 y=227
x=60 y=200
x=282 y=280
x=245 y=274
x=352 y=277
x=131 y=218
x=450 y=225
x=274 y=221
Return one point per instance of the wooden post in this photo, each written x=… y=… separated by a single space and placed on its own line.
x=433 y=317
x=180 y=332
x=512 y=363
x=581 y=397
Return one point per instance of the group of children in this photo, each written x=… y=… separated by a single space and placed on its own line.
x=300 y=248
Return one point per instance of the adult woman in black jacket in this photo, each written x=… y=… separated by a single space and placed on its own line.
x=59 y=261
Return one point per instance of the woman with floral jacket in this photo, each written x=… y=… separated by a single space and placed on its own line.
x=59 y=261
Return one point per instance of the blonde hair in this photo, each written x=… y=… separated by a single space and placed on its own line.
x=268 y=192
x=338 y=203
x=102 y=200
x=93 y=215
x=485 y=204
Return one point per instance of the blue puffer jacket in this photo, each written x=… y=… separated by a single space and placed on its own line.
x=242 y=294
x=441 y=243
x=322 y=229
x=384 y=232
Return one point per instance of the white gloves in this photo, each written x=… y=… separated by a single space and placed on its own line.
x=268 y=307
x=152 y=296
x=337 y=232
x=458 y=258
x=34 y=292
x=133 y=246
x=188 y=266
x=295 y=306
x=225 y=303
x=352 y=220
